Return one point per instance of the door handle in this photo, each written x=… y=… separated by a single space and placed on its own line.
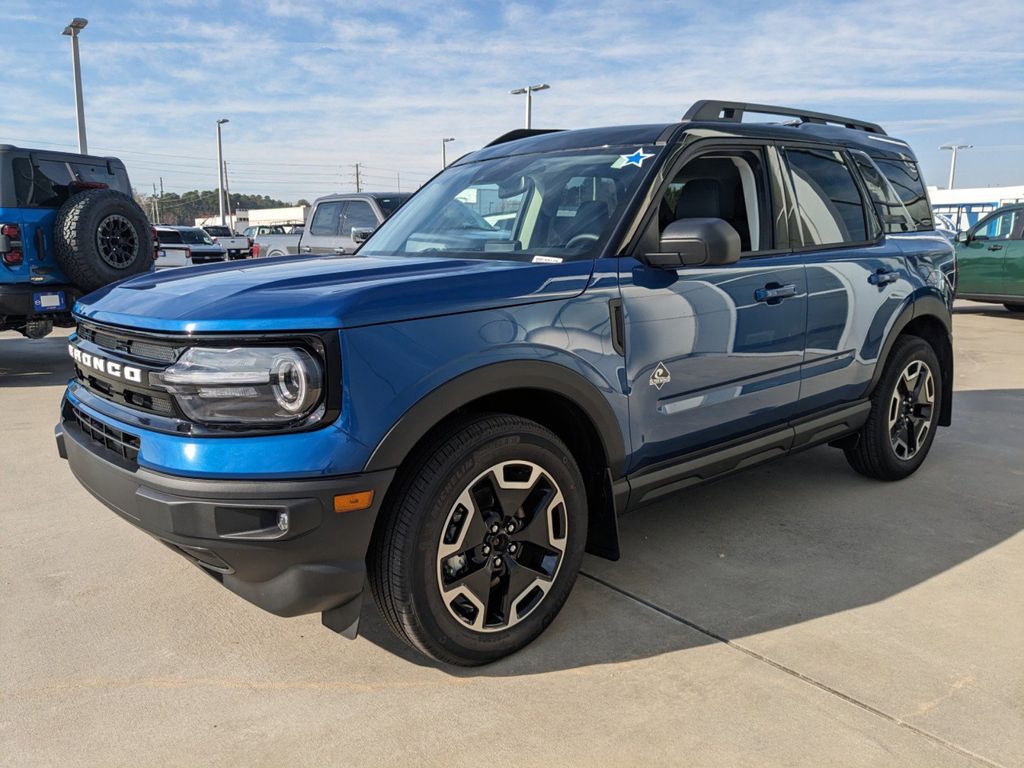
x=307 y=249
x=883 y=277
x=773 y=293
x=340 y=251
x=995 y=247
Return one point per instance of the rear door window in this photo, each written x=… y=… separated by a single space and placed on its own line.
x=358 y=214
x=43 y=183
x=169 y=236
x=831 y=209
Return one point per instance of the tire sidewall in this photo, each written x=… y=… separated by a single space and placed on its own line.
x=453 y=637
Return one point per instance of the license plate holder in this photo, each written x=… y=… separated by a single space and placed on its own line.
x=49 y=301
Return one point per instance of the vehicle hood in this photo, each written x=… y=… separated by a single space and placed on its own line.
x=321 y=292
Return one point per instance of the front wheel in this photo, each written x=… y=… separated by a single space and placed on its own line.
x=482 y=540
x=905 y=407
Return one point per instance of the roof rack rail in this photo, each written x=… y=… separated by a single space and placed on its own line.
x=522 y=133
x=732 y=111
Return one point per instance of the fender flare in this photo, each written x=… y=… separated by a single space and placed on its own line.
x=922 y=306
x=430 y=410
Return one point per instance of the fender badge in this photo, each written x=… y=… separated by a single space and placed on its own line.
x=660 y=377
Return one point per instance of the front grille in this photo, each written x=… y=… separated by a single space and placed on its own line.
x=124 y=444
x=125 y=343
x=123 y=394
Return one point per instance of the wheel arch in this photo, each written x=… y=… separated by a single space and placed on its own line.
x=927 y=318
x=554 y=396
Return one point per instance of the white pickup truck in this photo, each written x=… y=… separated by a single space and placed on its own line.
x=237 y=246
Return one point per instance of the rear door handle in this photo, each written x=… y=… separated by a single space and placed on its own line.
x=307 y=249
x=883 y=277
x=995 y=247
x=340 y=251
x=773 y=293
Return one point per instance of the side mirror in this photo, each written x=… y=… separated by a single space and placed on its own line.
x=696 y=243
x=963 y=237
x=361 y=234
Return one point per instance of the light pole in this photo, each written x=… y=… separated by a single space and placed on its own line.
x=220 y=172
x=71 y=30
x=528 y=90
x=444 y=157
x=952 y=159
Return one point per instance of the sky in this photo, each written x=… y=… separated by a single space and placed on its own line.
x=311 y=88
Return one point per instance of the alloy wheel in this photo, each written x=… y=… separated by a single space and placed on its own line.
x=501 y=546
x=911 y=409
x=117 y=241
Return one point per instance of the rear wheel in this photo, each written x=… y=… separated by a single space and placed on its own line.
x=1015 y=307
x=482 y=540
x=905 y=406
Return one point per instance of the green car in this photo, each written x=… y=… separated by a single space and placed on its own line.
x=990 y=259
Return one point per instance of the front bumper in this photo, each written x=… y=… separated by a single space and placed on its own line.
x=227 y=527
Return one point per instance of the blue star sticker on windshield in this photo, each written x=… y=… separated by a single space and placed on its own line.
x=637 y=158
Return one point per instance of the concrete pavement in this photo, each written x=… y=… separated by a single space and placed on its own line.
x=794 y=614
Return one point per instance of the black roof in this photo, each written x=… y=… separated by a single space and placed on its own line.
x=805 y=127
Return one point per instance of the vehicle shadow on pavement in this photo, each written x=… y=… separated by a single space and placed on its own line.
x=34 y=362
x=788 y=542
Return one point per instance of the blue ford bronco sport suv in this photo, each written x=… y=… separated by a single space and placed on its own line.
x=556 y=329
x=68 y=225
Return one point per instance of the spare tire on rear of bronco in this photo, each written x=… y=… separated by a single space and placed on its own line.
x=101 y=236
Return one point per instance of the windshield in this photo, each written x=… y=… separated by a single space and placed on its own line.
x=195 y=236
x=556 y=207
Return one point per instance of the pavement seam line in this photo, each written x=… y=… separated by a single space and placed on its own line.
x=794 y=673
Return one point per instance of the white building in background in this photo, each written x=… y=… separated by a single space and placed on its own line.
x=242 y=219
x=965 y=206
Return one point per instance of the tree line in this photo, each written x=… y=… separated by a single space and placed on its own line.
x=185 y=208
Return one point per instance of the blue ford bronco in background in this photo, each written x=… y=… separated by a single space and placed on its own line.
x=556 y=329
x=68 y=225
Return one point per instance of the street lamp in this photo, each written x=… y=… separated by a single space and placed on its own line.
x=528 y=90
x=220 y=172
x=444 y=158
x=952 y=159
x=71 y=30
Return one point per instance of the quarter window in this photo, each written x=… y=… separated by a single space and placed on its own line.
x=891 y=211
x=831 y=208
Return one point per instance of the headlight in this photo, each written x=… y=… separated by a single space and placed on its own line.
x=246 y=385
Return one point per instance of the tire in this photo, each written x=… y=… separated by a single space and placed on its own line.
x=435 y=535
x=1015 y=307
x=102 y=236
x=898 y=433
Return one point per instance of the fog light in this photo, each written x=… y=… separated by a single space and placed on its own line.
x=282 y=522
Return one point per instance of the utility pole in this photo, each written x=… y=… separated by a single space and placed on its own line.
x=227 y=194
x=156 y=206
x=359 y=186
x=444 y=158
x=71 y=30
x=220 y=171
x=952 y=159
x=528 y=90
x=398 y=179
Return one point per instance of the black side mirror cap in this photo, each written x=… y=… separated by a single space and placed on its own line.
x=696 y=243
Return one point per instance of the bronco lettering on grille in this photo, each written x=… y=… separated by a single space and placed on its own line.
x=109 y=367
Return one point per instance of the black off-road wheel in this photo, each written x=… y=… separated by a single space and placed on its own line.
x=102 y=236
x=481 y=540
x=905 y=408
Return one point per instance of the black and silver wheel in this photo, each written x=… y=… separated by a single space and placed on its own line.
x=905 y=406
x=116 y=241
x=482 y=540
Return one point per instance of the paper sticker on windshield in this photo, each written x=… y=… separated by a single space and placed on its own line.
x=637 y=159
x=546 y=260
